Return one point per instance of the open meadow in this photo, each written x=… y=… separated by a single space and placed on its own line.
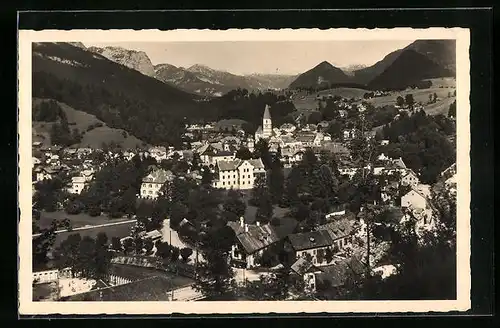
x=77 y=220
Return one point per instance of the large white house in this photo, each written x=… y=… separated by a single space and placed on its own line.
x=238 y=174
x=153 y=182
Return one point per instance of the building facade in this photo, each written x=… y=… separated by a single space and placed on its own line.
x=153 y=182
x=238 y=174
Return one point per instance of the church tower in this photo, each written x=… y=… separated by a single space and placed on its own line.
x=267 y=125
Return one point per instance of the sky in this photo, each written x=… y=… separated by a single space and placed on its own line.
x=266 y=57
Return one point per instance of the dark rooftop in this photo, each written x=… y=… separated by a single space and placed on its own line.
x=309 y=240
x=338 y=273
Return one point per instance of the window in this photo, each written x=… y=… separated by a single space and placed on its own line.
x=223 y=183
x=314 y=251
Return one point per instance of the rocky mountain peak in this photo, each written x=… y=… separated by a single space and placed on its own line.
x=137 y=60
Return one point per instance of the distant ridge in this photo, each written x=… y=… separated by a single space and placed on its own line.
x=422 y=59
x=322 y=74
x=409 y=68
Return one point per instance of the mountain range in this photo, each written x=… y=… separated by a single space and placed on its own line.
x=422 y=59
x=197 y=79
x=124 y=90
x=121 y=97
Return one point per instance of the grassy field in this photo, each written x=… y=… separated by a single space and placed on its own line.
x=440 y=107
x=77 y=221
x=45 y=292
x=81 y=121
x=308 y=102
x=444 y=81
x=137 y=273
x=440 y=86
x=420 y=95
x=344 y=92
x=120 y=231
x=94 y=138
x=252 y=210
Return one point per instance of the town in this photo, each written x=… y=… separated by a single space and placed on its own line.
x=295 y=193
x=319 y=243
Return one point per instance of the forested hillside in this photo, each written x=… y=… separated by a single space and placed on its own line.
x=422 y=142
x=119 y=96
x=250 y=107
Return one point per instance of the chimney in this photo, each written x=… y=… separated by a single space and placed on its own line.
x=242 y=222
x=246 y=227
x=257 y=223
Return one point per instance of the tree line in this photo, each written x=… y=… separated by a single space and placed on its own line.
x=421 y=141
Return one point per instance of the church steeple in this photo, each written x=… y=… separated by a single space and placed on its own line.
x=267 y=114
x=267 y=125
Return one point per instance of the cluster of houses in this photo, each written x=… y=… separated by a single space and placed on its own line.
x=49 y=162
x=315 y=254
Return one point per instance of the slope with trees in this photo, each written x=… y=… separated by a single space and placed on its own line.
x=119 y=96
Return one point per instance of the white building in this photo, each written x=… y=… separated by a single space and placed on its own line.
x=153 y=182
x=238 y=174
x=77 y=185
x=409 y=178
x=41 y=277
x=158 y=153
x=417 y=200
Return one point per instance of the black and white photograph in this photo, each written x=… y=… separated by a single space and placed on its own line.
x=271 y=170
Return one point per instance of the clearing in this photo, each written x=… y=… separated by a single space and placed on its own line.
x=302 y=101
x=119 y=230
x=77 y=220
x=81 y=121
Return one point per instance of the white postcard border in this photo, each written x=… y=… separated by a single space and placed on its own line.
x=28 y=307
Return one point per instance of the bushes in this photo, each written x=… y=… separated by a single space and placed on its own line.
x=168 y=252
x=186 y=253
x=47 y=111
x=95 y=125
x=74 y=207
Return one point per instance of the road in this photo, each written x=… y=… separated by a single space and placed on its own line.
x=172 y=237
x=91 y=227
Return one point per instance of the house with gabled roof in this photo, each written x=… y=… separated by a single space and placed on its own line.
x=308 y=271
x=409 y=178
x=210 y=154
x=314 y=245
x=341 y=269
x=417 y=200
x=238 y=174
x=251 y=241
x=152 y=183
